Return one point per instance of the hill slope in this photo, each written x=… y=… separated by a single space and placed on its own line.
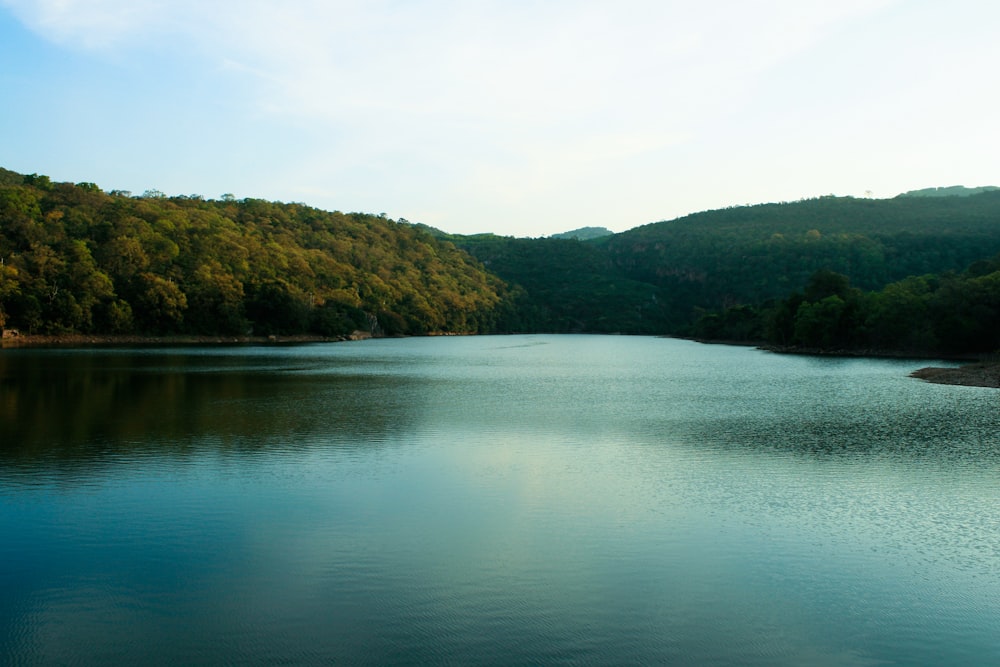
x=584 y=233
x=660 y=277
x=950 y=191
x=749 y=254
x=76 y=259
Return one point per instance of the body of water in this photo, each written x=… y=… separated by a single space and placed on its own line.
x=516 y=500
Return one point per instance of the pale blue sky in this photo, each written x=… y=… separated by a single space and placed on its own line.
x=511 y=116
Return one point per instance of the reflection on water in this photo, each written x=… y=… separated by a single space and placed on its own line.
x=494 y=500
x=73 y=412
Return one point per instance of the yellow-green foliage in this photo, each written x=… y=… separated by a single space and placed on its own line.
x=76 y=259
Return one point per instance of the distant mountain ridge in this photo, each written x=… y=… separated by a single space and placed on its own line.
x=584 y=233
x=950 y=191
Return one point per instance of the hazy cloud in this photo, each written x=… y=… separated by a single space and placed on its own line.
x=529 y=105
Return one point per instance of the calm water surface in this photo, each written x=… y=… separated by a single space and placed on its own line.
x=494 y=500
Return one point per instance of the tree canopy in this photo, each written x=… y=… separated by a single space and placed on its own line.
x=660 y=278
x=946 y=314
x=910 y=273
x=76 y=259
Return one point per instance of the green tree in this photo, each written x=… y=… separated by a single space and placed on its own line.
x=215 y=301
x=899 y=317
x=275 y=307
x=822 y=324
x=159 y=304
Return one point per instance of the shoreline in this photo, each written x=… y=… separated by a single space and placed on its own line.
x=102 y=340
x=975 y=374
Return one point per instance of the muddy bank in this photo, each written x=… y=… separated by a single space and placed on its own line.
x=979 y=374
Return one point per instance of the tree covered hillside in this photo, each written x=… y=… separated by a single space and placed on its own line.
x=567 y=285
x=749 y=254
x=946 y=314
x=661 y=277
x=76 y=259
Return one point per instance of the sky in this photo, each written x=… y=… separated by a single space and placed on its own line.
x=517 y=117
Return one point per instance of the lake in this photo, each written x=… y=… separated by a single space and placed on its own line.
x=494 y=500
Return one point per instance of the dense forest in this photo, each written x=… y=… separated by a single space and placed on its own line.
x=946 y=314
x=661 y=277
x=912 y=273
x=76 y=259
x=749 y=254
x=566 y=286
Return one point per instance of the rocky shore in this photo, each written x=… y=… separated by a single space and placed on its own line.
x=980 y=374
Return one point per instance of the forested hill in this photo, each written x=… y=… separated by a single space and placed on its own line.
x=751 y=253
x=584 y=233
x=660 y=277
x=76 y=259
x=950 y=191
